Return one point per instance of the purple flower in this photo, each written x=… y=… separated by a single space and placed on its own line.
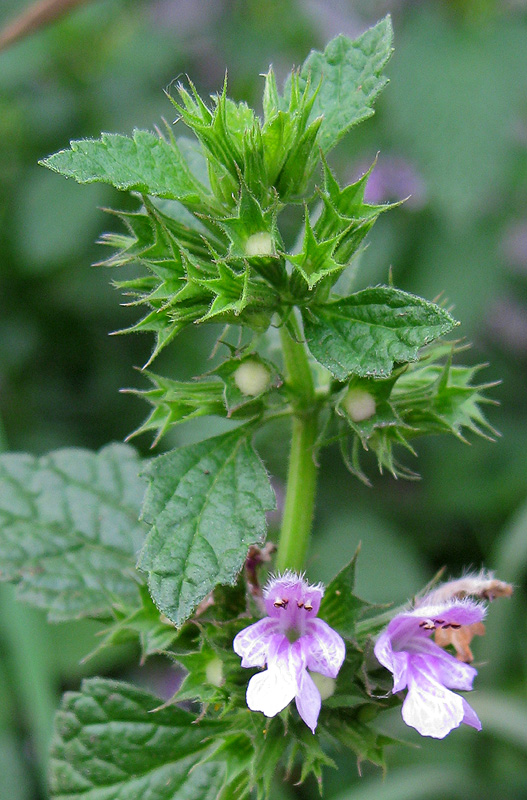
x=405 y=648
x=289 y=641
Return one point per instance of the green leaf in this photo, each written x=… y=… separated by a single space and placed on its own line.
x=442 y=398
x=144 y=625
x=315 y=261
x=110 y=742
x=145 y=163
x=178 y=401
x=429 y=396
x=69 y=530
x=368 y=332
x=340 y=608
x=206 y=503
x=367 y=744
x=205 y=676
x=348 y=75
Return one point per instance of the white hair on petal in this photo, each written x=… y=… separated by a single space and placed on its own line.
x=290 y=578
x=437 y=607
x=481 y=586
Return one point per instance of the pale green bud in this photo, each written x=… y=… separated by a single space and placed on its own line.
x=325 y=685
x=259 y=244
x=252 y=378
x=359 y=404
x=214 y=672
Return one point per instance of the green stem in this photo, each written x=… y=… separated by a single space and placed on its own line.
x=28 y=644
x=302 y=474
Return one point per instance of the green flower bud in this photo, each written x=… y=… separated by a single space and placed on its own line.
x=259 y=244
x=359 y=404
x=325 y=685
x=252 y=378
x=214 y=672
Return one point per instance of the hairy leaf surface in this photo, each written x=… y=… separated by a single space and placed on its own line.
x=348 y=75
x=206 y=503
x=111 y=744
x=144 y=162
x=368 y=332
x=69 y=530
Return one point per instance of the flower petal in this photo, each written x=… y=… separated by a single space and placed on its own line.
x=308 y=701
x=458 y=612
x=447 y=670
x=326 y=648
x=384 y=651
x=272 y=690
x=413 y=624
x=470 y=717
x=289 y=659
x=252 y=643
x=429 y=707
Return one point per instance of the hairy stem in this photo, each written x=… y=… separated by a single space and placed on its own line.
x=302 y=474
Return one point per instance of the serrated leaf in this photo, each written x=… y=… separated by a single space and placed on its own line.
x=177 y=401
x=110 y=742
x=206 y=503
x=315 y=261
x=349 y=77
x=368 y=332
x=144 y=162
x=69 y=530
x=442 y=398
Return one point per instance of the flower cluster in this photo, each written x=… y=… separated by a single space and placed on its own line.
x=289 y=641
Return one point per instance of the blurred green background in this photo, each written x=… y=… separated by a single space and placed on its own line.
x=451 y=131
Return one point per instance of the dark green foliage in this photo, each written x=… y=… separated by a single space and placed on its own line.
x=217 y=254
x=370 y=331
x=109 y=739
x=348 y=76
